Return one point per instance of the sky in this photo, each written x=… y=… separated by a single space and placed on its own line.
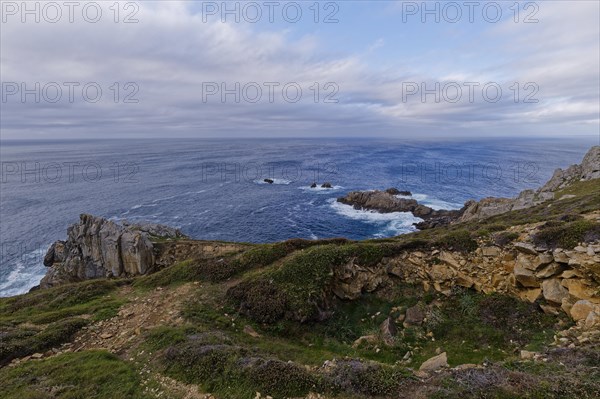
x=154 y=69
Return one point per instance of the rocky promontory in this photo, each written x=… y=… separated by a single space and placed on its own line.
x=97 y=247
x=392 y=199
x=388 y=201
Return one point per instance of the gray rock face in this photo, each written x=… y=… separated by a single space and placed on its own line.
x=587 y=170
x=97 y=247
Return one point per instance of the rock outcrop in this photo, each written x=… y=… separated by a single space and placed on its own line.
x=97 y=247
x=588 y=169
x=388 y=202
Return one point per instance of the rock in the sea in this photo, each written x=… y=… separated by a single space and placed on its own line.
x=97 y=247
x=384 y=202
x=314 y=185
x=270 y=181
x=395 y=191
x=326 y=185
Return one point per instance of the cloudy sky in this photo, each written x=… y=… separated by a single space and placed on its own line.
x=289 y=69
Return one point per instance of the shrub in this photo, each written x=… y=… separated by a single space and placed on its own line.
x=566 y=234
x=504 y=238
x=459 y=240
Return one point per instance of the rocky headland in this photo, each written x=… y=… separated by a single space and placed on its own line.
x=500 y=299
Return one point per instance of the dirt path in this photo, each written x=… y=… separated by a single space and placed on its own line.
x=120 y=334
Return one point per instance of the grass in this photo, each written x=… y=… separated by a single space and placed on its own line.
x=91 y=374
x=96 y=298
x=19 y=342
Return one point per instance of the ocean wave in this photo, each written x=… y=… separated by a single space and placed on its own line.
x=319 y=189
x=275 y=181
x=393 y=223
x=28 y=271
x=433 y=203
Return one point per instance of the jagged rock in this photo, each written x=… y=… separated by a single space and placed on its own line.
x=368 y=339
x=525 y=277
x=97 y=247
x=395 y=191
x=525 y=248
x=314 y=185
x=560 y=256
x=384 y=202
x=579 y=289
x=251 y=332
x=581 y=309
x=490 y=251
x=388 y=331
x=435 y=363
x=527 y=355
x=551 y=270
x=531 y=295
x=589 y=169
x=414 y=316
x=553 y=291
x=351 y=280
x=55 y=254
x=590 y=166
x=326 y=185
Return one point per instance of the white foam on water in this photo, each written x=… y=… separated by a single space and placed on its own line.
x=393 y=223
x=433 y=203
x=275 y=181
x=319 y=189
x=28 y=271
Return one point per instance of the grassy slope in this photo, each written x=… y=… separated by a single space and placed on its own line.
x=282 y=283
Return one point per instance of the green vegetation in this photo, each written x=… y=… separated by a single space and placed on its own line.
x=566 y=234
x=93 y=374
x=45 y=306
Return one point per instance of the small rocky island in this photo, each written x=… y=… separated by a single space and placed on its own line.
x=501 y=299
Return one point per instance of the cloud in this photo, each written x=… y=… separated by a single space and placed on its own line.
x=173 y=52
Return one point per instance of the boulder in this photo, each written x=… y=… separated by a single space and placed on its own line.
x=326 y=185
x=590 y=166
x=270 y=181
x=435 y=363
x=490 y=251
x=414 y=316
x=388 y=331
x=551 y=270
x=525 y=248
x=525 y=277
x=531 y=295
x=314 y=185
x=553 y=291
x=581 y=309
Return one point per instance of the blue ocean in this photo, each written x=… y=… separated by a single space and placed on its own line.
x=215 y=189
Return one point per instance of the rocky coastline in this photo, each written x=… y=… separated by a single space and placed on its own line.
x=500 y=299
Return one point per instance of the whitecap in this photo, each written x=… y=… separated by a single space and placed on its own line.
x=393 y=223
x=433 y=203
x=319 y=189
